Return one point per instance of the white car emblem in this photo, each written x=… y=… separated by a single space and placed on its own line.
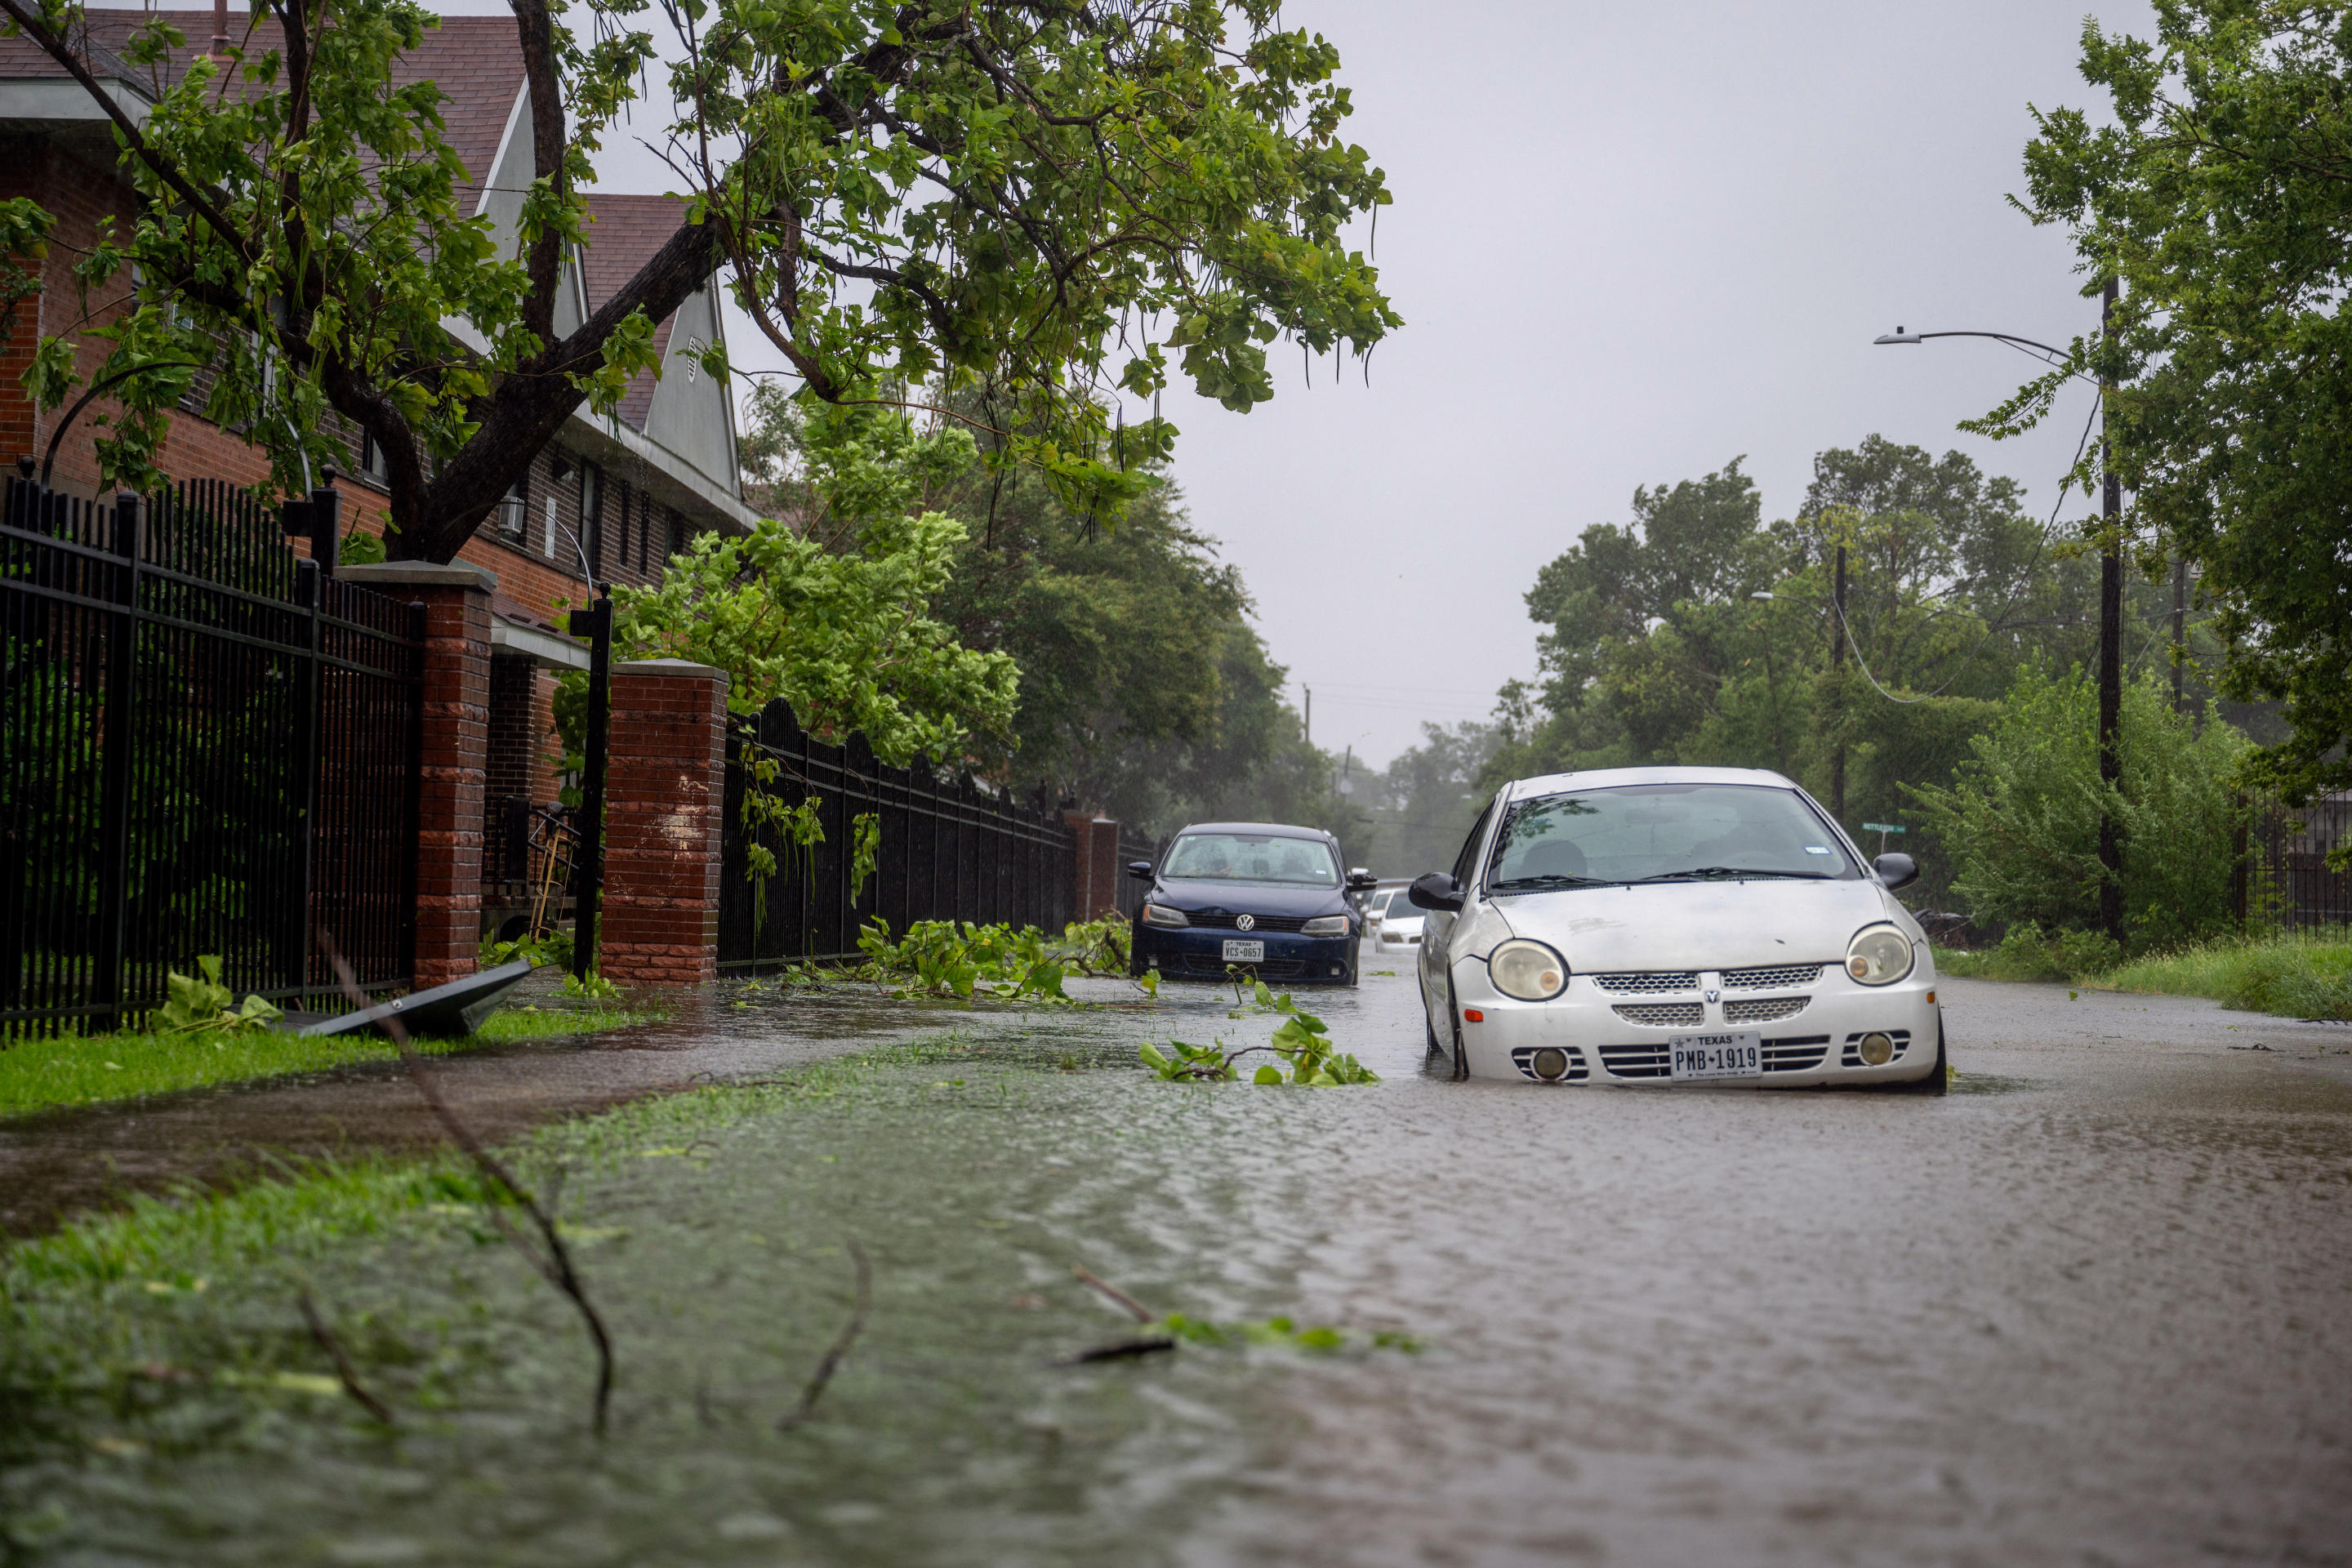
x=1713 y=994
x=1245 y=923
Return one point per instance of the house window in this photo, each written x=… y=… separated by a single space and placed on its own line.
x=551 y=528
x=592 y=512
x=371 y=461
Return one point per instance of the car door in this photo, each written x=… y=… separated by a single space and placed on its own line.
x=1436 y=936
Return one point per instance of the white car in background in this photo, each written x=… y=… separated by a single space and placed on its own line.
x=1672 y=926
x=1396 y=925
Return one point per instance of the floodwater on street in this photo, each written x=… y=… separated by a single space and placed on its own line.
x=2087 y=1310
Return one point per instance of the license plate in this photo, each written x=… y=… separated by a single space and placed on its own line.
x=1245 y=953
x=1717 y=1055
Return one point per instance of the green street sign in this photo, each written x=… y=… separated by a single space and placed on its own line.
x=1882 y=827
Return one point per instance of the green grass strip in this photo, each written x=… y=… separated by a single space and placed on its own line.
x=2289 y=976
x=92 y=1069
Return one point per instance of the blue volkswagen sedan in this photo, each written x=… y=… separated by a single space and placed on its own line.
x=1257 y=896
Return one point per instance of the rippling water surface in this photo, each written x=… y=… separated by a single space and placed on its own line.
x=2087 y=1310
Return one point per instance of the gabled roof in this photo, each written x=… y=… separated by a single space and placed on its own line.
x=625 y=232
x=477 y=62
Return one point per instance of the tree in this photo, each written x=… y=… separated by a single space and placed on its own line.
x=2221 y=196
x=1020 y=199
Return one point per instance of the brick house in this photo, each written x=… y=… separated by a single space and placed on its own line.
x=613 y=497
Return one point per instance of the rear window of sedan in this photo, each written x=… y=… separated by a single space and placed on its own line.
x=1645 y=833
x=1252 y=857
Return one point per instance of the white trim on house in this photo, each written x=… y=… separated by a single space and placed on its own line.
x=550 y=651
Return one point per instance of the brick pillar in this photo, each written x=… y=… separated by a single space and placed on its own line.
x=1104 y=862
x=665 y=800
x=457 y=756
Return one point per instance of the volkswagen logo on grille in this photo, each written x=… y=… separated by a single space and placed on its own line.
x=1245 y=923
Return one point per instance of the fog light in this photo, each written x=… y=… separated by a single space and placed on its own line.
x=1549 y=1064
x=1339 y=969
x=1877 y=1050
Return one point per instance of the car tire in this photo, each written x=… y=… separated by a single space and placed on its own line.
x=1938 y=1082
x=1461 y=1056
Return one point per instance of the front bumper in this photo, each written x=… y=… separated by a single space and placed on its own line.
x=1808 y=1045
x=1197 y=953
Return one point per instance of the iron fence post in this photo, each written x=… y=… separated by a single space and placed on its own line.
x=114 y=818
x=412 y=828
x=309 y=591
x=596 y=623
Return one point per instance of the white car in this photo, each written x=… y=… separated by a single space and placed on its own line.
x=1675 y=925
x=1395 y=927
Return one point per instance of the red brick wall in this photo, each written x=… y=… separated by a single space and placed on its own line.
x=456 y=746
x=664 y=796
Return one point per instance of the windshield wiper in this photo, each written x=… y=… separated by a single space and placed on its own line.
x=1552 y=880
x=1700 y=872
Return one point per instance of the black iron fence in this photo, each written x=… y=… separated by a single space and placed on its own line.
x=2287 y=882
x=207 y=745
x=941 y=848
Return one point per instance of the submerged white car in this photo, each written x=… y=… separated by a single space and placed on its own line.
x=1675 y=925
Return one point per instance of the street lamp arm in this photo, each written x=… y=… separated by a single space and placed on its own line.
x=2057 y=356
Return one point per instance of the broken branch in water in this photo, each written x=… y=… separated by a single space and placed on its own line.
x=343 y=1369
x=550 y=1256
x=1134 y=1308
x=1121 y=1350
x=838 y=1351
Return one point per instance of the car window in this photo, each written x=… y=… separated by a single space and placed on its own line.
x=1466 y=863
x=1664 y=833
x=1252 y=857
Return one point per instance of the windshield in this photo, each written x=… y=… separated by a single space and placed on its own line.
x=1400 y=908
x=1662 y=833
x=1252 y=857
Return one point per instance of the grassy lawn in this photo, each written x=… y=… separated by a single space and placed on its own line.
x=2289 y=976
x=88 y=1070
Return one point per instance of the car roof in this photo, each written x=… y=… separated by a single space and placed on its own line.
x=1271 y=829
x=1620 y=778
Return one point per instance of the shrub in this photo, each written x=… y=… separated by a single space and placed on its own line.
x=2022 y=816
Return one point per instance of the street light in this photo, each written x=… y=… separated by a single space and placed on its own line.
x=2111 y=605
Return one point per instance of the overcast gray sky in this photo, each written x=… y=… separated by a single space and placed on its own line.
x=1630 y=243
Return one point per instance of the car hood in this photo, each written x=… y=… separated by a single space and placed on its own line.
x=1701 y=925
x=1251 y=898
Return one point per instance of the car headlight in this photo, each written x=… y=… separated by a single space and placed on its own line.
x=1325 y=925
x=1528 y=970
x=1879 y=955
x=1162 y=915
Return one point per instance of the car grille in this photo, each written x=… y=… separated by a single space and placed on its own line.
x=1761 y=1009
x=1792 y=1054
x=1636 y=1061
x=1851 y=1055
x=1771 y=978
x=1523 y=1058
x=1648 y=982
x=1661 y=1014
x=1260 y=923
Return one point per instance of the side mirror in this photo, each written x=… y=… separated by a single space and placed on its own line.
x=1895 y=870
x=1139 y=870
x=1434 y=891
x=1361 y=880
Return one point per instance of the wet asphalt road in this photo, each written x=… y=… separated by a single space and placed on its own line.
x=2090 y=1308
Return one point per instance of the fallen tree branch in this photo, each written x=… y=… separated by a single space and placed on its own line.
x=1134 y=1308
x=343 y=1368
x=838 y=1351
x=1121 y=1350
x=552 y=1257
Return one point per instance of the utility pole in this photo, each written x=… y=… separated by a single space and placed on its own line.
x=2179 y=625
x=2111 y=641
x=1837 y=688
x=1308 y=726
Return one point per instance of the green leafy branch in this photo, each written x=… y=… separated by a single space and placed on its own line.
x=1302 y=1041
